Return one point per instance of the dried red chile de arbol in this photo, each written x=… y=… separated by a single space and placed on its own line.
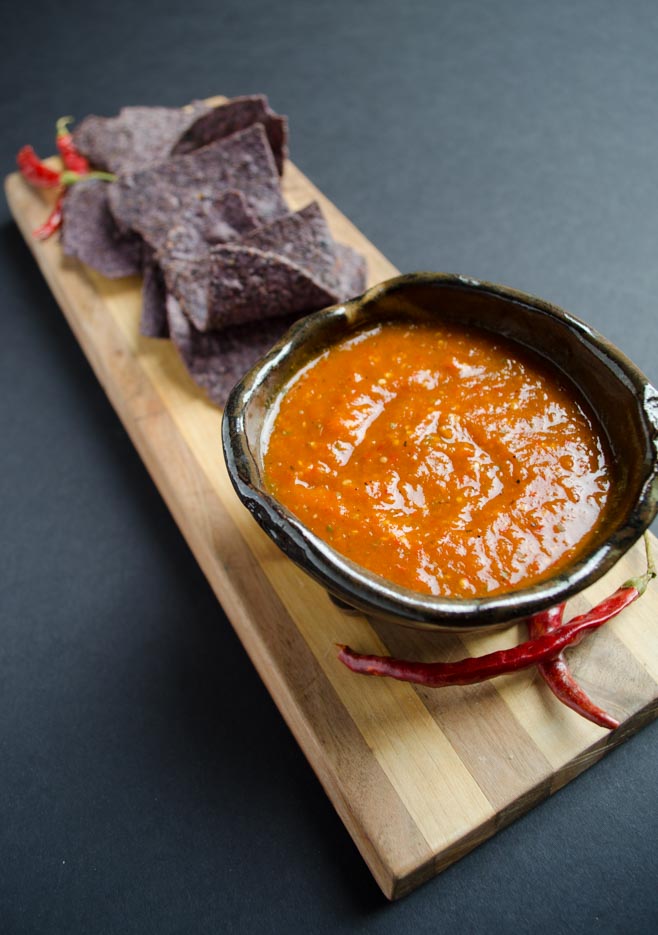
x=550 y=637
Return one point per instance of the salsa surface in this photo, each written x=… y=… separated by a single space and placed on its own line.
x=442 y=458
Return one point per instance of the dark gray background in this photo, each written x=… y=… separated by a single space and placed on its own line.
x=147 y=782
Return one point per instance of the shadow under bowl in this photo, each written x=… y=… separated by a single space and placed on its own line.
x=624 y=403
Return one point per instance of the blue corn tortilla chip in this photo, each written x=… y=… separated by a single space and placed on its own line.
x=292 y=265
x=304 y=238
x=90 y=233
x=226 y=267
x=234 y=115
x=153 y=320
x=349 y=275
x=138 y=137
x=228 y=219
x=183 y=261
x=217 y=360
x=186 y=187
x=187 y=280
x=249 y=285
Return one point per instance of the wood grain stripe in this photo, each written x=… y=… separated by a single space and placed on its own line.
x=498 y=752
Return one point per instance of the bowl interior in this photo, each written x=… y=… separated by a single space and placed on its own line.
x=623 y=402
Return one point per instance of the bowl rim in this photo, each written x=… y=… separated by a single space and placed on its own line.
x=370 y=593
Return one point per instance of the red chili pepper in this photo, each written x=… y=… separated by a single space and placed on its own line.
x=71 y=158
x=35 y=171
x=531 y=653
x=39 y=174
x=558 y=677
x=52 y=223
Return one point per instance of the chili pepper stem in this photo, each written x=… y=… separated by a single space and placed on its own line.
x=641 y=582
x=62 y=126
x=73 y=160
x=70 y=178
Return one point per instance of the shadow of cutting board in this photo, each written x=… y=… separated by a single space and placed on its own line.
x=418 y=777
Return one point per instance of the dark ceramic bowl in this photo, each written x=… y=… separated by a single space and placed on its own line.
x=625 y=403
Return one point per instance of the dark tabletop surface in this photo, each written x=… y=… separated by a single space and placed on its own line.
x=147 y=782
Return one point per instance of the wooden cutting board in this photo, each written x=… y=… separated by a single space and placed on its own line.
x=418 y=777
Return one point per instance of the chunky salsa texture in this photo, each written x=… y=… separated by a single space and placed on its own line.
x=447 y=460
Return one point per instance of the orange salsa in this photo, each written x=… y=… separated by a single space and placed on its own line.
x=445 y=459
